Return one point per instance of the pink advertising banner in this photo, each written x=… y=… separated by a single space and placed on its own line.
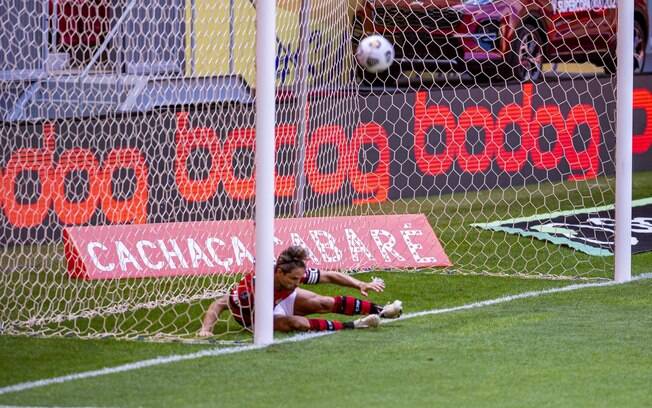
x=227 y=247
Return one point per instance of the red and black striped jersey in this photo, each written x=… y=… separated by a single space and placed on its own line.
x=241 y=298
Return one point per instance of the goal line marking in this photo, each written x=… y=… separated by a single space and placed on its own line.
x=297 y=338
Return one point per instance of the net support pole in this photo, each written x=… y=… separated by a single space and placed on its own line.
x=624 y=120
x=301 y=91
x=54 y=26
x=265 y=121
x=193 y=37
x=107 y=40
x=232 y=37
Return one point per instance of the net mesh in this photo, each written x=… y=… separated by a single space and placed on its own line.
x=134 y=112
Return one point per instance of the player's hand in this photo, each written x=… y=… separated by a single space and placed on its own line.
x=205 y=333
x=376 y=285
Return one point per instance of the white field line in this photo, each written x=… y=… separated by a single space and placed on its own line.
x=504 y=299
x=300 y=337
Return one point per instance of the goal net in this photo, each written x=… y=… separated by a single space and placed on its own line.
x=117 y=117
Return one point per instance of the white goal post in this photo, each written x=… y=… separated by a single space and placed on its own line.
x=265 y=160
x=624 y=126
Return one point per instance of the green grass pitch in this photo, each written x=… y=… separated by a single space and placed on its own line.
x=582 y=348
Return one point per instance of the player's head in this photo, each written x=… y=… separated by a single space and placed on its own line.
x=290 y=267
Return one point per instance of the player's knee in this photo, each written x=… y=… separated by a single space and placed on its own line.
x=299 y=324
x=325 y=304
x=291 y=323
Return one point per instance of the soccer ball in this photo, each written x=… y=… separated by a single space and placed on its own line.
x=375 y=54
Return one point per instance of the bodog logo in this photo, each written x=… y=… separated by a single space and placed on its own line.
x=52 y=177
x=530 y=124
x=374 y=184
x=133 y=209
x=584 y=163
x=368 y=186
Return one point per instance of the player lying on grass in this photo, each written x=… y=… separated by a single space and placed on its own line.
x=292 y=303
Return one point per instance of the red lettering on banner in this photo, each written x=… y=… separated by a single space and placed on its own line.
x=327 y=183
x=76 y=213
x=512 y=161
x=182 y=249
x=375 y=183
x=38 y=161
x=548 y=115
x=480 y=118
x=238 y=188
x=188 y=140
x=424 y=120
x=130 y=210
x=643 y=141
x=587 y=160
x=285 y=136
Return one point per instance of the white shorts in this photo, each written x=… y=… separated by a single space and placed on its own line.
x=286 y=306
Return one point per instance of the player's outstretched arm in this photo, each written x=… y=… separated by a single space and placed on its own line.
x=341 y=279
x=212 y=315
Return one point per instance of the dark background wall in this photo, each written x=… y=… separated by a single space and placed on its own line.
x=195 y=163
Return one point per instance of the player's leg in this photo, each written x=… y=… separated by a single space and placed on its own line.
x=289 y=314
x=349 y=305
x=300 y=323
x=291 y=323
x=308 y=302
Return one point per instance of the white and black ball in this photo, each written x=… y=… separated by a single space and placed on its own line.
x=375 y=53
